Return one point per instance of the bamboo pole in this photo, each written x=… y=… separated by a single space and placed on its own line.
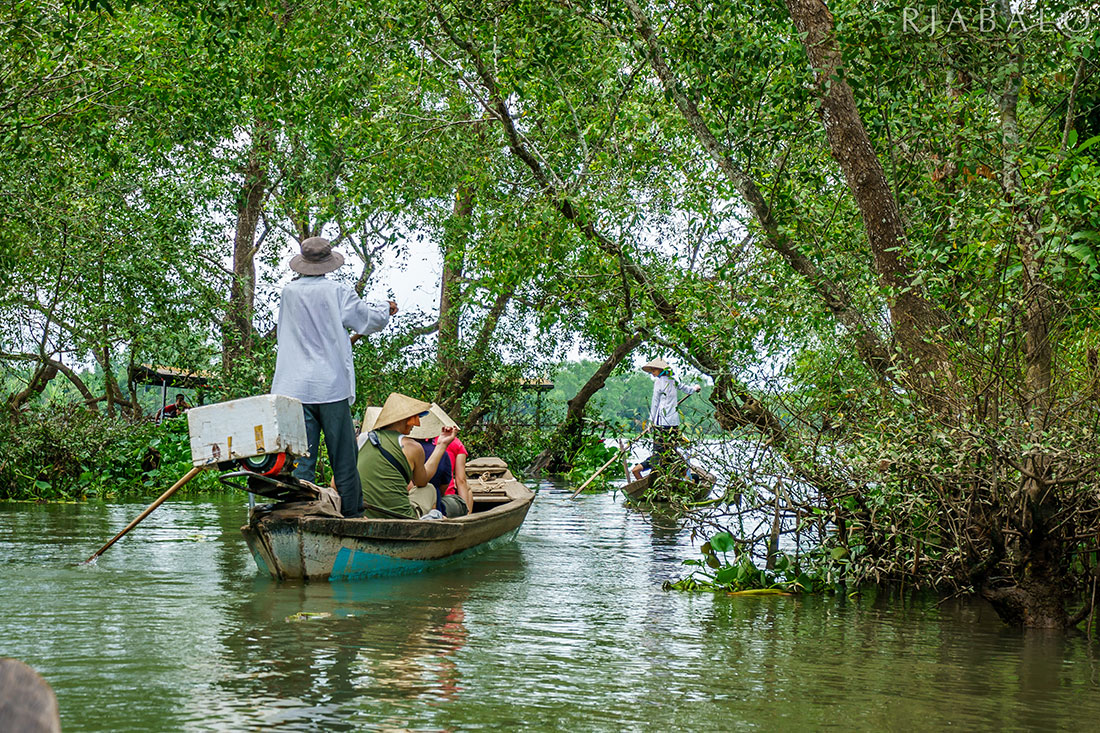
x=148 y=510
x=609 y=462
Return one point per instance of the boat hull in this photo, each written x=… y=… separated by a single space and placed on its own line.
x=638 y=491
x=291 y=544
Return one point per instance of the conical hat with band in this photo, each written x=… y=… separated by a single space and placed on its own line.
x=432 y=424
x=659 y=364
x=399 y=407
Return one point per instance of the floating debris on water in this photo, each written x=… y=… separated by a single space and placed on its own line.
x=307 y=615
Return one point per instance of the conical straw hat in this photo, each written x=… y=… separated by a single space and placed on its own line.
x=399 y=407
x=370 y=417
x=433 y=424
x=659 y=364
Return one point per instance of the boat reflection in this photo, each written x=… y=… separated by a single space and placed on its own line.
x=381 y=649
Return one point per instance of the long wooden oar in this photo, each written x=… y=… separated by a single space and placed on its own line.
x=613 y=458
x=622 y=451
x=148 y=510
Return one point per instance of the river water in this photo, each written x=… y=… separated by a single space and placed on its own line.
x=567 y=628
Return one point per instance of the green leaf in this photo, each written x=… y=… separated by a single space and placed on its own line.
x=722 y=542
x=1087 y=144
x=727 y=575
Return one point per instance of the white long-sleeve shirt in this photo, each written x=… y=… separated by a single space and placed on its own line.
x=662 y=411
x=314 y=361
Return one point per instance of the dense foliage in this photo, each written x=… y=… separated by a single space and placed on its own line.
x=874 y=234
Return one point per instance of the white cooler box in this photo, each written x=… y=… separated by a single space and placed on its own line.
x=244 y=428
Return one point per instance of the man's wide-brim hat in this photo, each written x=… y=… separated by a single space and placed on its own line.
x=432 y=424
x=399 y=407
x=657 y=365
x=316 y=258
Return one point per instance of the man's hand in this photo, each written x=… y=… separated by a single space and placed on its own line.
x=393 y=308
x=445 y=437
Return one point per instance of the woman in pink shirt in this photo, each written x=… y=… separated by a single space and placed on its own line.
x=458 y=484
x=430 y=427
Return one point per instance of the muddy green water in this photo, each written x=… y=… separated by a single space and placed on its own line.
x=566 y=629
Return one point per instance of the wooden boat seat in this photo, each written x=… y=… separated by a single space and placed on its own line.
x=486 y=464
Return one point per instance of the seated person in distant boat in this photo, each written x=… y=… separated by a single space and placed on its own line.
x=450 y=500
x=394 y=473
x=175 y=409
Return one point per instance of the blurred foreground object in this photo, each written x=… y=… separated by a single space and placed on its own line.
x=27 y=702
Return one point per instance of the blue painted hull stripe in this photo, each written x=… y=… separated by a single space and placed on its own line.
x=340 y=564
x=352 y=564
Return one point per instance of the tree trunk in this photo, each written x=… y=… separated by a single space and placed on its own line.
x=112 y=392
x=1036 y=597
x=914 y=319
x=43 y=373
x=567 y=439
x=452 y=391
x=833 y=294
x=454 y=255
x=89 y=398
x=237 y=331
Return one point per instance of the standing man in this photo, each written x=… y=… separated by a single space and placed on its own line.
x=314 y=362
x=664 y=415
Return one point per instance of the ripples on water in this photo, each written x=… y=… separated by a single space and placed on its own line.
x=565 y=629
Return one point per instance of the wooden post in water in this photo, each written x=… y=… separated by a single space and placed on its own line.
x=773 y=540
x=626 y=461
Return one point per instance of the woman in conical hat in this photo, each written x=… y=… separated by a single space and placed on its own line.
x=455 y=499
x=370 y=417
x=395 y=472
x=664 y=415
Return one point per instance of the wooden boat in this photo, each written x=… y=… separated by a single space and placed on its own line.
x=310 y=541
x=639 y=491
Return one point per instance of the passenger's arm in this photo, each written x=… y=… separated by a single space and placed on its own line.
x=430 y=466
x=462 y=488
x=415 y=454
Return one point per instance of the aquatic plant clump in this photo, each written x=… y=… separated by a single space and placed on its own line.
x=718 y=571
x=62 y=452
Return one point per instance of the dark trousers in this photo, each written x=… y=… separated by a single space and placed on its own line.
x=334 y=420
x=665 y=440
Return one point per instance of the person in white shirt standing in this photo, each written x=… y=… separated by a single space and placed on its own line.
x=664 y=414
x=314 y=363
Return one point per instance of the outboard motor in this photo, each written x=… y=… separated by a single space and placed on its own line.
x=268 y=464
x=260 y=437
